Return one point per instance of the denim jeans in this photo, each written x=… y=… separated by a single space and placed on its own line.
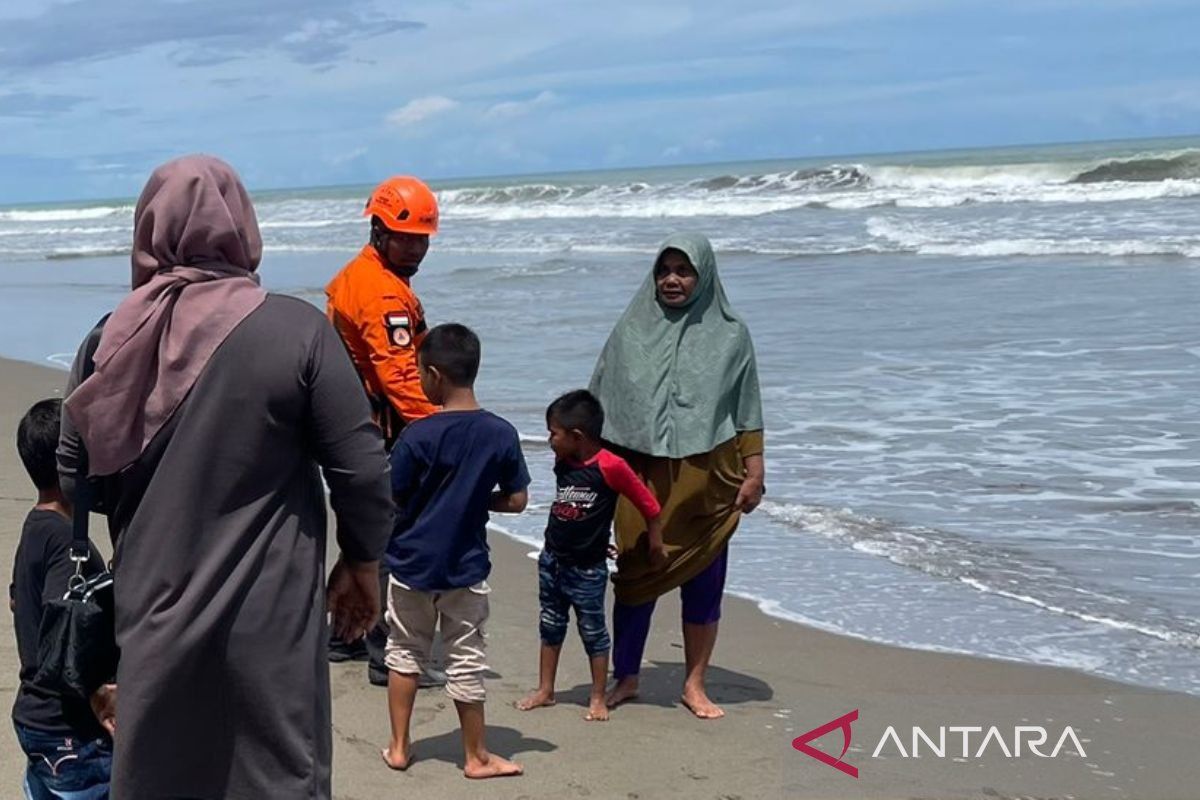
x=65 y=768
x=561 y=588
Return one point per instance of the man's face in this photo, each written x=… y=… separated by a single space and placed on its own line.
x=404 y=252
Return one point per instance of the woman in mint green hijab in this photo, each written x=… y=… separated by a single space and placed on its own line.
x=679 y=386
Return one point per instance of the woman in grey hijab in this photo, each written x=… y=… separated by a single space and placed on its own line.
x=213 y=410
x=678 y=381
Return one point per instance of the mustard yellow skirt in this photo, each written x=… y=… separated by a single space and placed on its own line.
x=697 y=495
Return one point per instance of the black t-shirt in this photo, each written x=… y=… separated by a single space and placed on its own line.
x=40 y=573
x=584 y=504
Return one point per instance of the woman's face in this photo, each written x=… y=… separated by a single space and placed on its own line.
x=675 y=278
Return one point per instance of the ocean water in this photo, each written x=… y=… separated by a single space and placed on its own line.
x=981 y=369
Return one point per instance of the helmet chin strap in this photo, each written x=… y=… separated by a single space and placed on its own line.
x=379 y=241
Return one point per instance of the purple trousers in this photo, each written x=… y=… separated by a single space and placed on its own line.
x=701 y=597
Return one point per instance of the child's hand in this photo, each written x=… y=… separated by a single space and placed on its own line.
x=612 y=552
x=503 y=503
x=104 y=706
x=658 y=556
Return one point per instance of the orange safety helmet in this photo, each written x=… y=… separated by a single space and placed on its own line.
x=405 y=205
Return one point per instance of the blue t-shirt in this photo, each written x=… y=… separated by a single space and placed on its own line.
x=444 y=470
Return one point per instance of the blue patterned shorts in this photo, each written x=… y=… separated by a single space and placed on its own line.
x=561 y=588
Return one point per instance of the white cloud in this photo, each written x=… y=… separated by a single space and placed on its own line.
x=517 y=108
x=345 y=158
x=703 y=147
x=420 y=110
x=92 y=166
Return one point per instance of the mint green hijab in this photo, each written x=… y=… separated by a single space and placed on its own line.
x=677 y=382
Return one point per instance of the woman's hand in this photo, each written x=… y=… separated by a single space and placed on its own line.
x=751 y=492
x=353 y=598
x=749 y=495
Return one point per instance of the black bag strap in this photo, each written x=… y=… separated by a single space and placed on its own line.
x=80 y=549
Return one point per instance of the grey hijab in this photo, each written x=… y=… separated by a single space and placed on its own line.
x=676 y=382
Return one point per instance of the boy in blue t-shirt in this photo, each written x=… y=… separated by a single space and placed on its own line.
x=448 y=471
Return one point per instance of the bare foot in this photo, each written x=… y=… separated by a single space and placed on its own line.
x=492 y=766
x=696 y=701
x=597 y=710
x=400 y=759
x=625 y=690
x=535 y=699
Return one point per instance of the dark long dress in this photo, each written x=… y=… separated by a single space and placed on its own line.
x=220 y=541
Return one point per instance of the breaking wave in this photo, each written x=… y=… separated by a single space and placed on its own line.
x=1182 y=165
x=925 y=238
x=804 y=210
x=845 y=187
x=64 y=214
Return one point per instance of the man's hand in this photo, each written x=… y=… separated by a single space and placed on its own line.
x=353 y=598
x=104 y=706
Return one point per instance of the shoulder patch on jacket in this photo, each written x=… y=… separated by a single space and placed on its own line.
x=399 y=328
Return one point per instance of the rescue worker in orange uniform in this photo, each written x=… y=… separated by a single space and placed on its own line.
x=372 y=304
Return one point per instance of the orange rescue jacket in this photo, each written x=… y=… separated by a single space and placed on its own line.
x=382 y=324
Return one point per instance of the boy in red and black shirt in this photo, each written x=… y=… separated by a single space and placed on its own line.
x=572 y=569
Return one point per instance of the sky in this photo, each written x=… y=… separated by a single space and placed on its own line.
x=95 y=93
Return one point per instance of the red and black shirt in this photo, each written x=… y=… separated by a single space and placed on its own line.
x=584 y=505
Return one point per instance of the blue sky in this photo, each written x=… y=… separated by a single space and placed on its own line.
x=94 y=93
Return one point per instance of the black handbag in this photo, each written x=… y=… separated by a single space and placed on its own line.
x=77 y=646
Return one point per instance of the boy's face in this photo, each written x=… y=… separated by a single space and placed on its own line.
x=431 y=382
x=565 y=443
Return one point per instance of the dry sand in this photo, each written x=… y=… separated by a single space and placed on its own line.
x=775 y=679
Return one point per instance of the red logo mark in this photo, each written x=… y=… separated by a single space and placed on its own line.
x=568 y=512
x=801 y=743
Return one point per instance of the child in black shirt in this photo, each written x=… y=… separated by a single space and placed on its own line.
x=572 y=569
x=69 y=754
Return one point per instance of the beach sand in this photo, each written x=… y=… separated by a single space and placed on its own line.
x=775 y=679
